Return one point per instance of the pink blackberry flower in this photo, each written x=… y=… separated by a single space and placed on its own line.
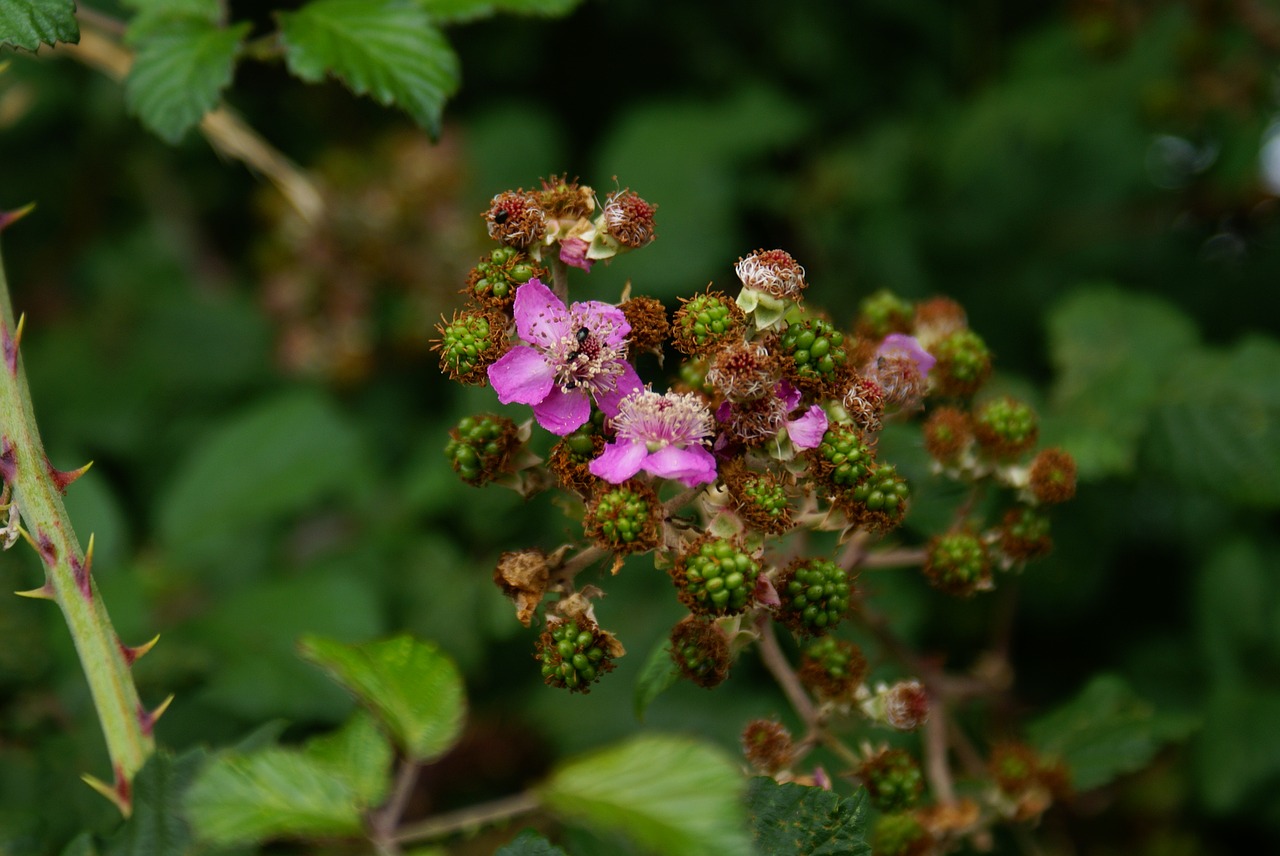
x=661 y=434
x=570 y=356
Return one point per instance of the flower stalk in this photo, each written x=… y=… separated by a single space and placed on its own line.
x=36 y=490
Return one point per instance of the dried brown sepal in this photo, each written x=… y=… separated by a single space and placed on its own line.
x=649 y=326
x=516 y=219
x=563 y=198
x=1053 y=476
x=947 y=433
x=522 y=575
x=700 y=651
x=571 y=468
x=767 y=746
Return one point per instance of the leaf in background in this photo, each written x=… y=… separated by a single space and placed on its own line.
x=1239 y=749
x=154 y=15
x=1216 y=427
x=359 y=754
x=1113 y=351
x=157 y=826
x=657 y=675
x=794 y=820
x=30 y=23
x=1238 y=612
x=454 y=11
x=412 y=686
x=387 y=49
x=1106 y=731
x=182 y=66
x=675 y=795
x=282 y=456
x=81 y=845
x=271 y=793
x=530 y=843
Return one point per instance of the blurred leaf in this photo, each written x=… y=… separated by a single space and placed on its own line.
x=1238 y=612
x=254 y=634
x=81 y=845
x=30 y=23
x=1113 y=351
x=451 y=11
x=282 y=456
x=271 y=793
x=673 y=794
x=1216 y=427
x=157 y=826
x=155 y=15
x=180 y=70
x=1106 y=731
x=359 y=754
x=658 y=674
x=530 y=843
x=1239 y=748
x=413 y=687
x=387 y=49
x=794 y=820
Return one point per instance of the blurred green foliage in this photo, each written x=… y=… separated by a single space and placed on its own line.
x=1087 y=179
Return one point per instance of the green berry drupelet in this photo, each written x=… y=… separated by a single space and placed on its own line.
x=877 y=503
x=814 y=594
x=882 y=313
x=958 y=563
x=1024 y=534
x=470 y=343
x=832 y=667
x=715 y=576
x=815 y=355
x=892 y=779
x=704 y=321
x=964 y=363
x=700 y=651
x=1005 y=427
x=759 y=498
x=623 y=518
x=480 y=447
x=493 y=282
x=843 y=459
x=574 y=654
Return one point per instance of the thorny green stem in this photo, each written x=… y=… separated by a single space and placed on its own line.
x=68 y=578
x=468 y=818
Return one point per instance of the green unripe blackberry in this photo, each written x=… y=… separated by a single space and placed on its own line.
x=480 y=446
x=759 y=498
x=1005 y=427
x=493 y=282
x=892 y=779
x=623 y=518
x=814 y=596
x=715 y=577
x=574 y=654
x=705 y=320
x=964 y=363
x=815 y=353
x=900 y=835
x=700 y=651
x=882 y=313
x=843 y=459
x=1024 y=534
x=833 y=667
x=957 y=563
x=879 y=502
x=470 y=343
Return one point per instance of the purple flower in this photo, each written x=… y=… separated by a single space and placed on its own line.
x=573 y=251
x=662 y=435
x=573 y=354
x=902 y=345
x=751 y=421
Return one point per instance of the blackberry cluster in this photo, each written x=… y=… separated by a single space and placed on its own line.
x=573 y=655
x=892 y=779
x=480 y=446
x=622 y=518
x=1005 y=427
x=814 y=595
x=879 y=502
x=964 y=363
x=958 y=563
x=815 y=350
x=833 y=667
x=494 y=280
x=704 y=321
x=469 y=344
x=883 y=313
x=700 y=651
x=716 y=577
x=842 y=459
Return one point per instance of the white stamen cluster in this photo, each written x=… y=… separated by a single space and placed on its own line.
x=673 y=419
x=774 y=272
x=585 y=359
x=743 y=371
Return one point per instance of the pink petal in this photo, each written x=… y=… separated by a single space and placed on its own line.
x=573 y=251
x=593 y=312
x=724 y=411
x=765 y=593
x=788 y=395
x=900 y=343
x=619 y=461
x=541 y=317
x=628 y=382
x=806 y=432
x=563 y=412
x=691 y=466
x=522 y=376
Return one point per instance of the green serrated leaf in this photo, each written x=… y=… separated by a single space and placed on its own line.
x=530 y=843
x=153 y=16
x=275 y=792
x=387 y=49
x=1217 y=425
x=413 y=688
x=794 y=820
x=179 y=73
x=359 y=754
x=282 y=456
x=157 y=826
x=672 y=794
x=456 y=11
x=1113 y=351
x=658 y=674
x=30 y=23
x=1106 y=731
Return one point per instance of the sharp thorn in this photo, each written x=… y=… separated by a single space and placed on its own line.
x=117 y=794
x=62 y=479
x=42 y=593
x=147 y=720
x=8 y=218
x=83 y=571
x=133 y=653
x=17 y=331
